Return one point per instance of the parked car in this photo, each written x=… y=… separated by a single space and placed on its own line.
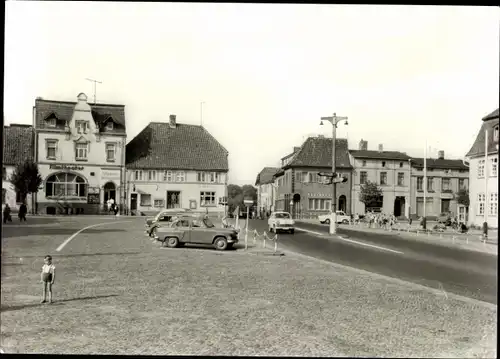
x=196 y=230
x=445 y=218
x=281 y=221
x=162 y=217
x=341 y=218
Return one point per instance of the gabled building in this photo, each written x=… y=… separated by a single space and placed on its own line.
x=301 y=191
x=18 y=146
x=80 y=151
x=483 y=174
x=174 y=165
x=445 y=177
x=265 y=190
x=390 y=170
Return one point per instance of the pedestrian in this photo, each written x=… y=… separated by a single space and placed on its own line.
x=6 y=214
x=48 y=277
x=22 y=212
x=115 y=208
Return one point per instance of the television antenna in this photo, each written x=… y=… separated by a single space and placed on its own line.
x=95 y=83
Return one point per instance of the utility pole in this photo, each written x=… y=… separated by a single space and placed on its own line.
x=201 y=113
x=95 y=82
x=334 y=120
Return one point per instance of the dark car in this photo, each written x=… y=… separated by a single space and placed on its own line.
x=196 y=230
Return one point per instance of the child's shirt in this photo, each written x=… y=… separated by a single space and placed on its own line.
x=48 y=268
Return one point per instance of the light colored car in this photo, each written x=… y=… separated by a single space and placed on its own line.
x=162 y=217
x=281 y=221
x=341 y=218
x=196 y=230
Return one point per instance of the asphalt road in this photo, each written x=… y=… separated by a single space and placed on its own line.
x=455 y=270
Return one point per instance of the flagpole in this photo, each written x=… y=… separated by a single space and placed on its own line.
x=486 y=174
x=425 y=176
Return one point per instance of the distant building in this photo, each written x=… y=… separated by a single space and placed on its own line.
x=174 y=165
x=265 y=189
x=445 y=177
x=80 y=155
x=301 y=190
x=18 y=146
x=484 y=201
x=390 y=170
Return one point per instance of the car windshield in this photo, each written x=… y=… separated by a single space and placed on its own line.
x=283 y=215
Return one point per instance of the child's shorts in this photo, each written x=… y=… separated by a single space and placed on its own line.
x=47 y=277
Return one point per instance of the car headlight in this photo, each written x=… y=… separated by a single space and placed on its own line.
x=293 y=223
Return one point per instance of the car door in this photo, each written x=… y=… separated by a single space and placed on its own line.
x=183 y=229
x=198 y=232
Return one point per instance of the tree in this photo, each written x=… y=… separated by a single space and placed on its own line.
x=370 y=194
x=236 y=195
x=462 y=197
x=249 y=192
x=26 y=178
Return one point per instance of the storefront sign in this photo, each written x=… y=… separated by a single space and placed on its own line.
x=110 y=174
x=93 y=198
x=66 y=167
x=317 y=195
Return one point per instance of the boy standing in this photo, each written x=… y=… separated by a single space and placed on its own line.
x=48 y=276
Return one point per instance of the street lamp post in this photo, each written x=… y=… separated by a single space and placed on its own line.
x=334 y=120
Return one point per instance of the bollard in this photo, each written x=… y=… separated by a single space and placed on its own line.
x=453 y=238
x=467 y=240
x=264 y=242
x=246 y=238
x=255 y=234
x=441 y=235
x=275 y=243
x=417 y=232
x=428 y=233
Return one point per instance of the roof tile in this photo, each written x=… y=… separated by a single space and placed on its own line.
x=317 y=152
x=266 y=175
x=18 y=144
x=439 y=163
x=379 y=155
x=489 y=123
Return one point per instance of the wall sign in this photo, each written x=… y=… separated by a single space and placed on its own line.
x=66 y=167
x=93 y=198
x=319 y=195
x=110 y=174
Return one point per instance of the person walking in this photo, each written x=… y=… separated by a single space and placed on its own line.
x=6 y=214
x=22 y=212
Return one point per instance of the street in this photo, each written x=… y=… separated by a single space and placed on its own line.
x=463 y=272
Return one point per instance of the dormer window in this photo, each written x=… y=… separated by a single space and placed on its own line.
x=82 y=126
x=495 y=134
x=109 y=126
x=51 y=122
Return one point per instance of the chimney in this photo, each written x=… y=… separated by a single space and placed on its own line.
x=441 y=155
x=295 y=149
x=381 y=148
x=363 y=145
x=172 y=121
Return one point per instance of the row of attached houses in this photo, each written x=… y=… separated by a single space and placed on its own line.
x=84 y=161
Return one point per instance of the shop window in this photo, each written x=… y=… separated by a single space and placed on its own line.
x=65 y=185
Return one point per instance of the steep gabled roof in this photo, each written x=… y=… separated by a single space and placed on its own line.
x=437 y=163
x=489 y=123
x=266 y=175
x=317 y=152
x=63 y=111
x=186 y=147
x=18 y=144
x=379 y=155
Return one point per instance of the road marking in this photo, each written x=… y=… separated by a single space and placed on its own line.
x=350 y=240
x=83 y=229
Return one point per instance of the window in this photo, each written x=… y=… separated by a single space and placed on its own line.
x=82 y=126
x=480 y=169
x=167 y=176
x=461 y=183
x=383 y=163
x=109 y=125
x=430 y=182
x=319 y=204
x=495 y=133
x=400 y=164
x=480 y=203
x=19 y=197
x=313 y=177
x=494 y=204
x=159 y=203
x=4 y=195
x=138 y=175
x=212 y=176
x=51 y=122
x=181 y=176
x=493 y=166
x=65 y=185
x=383 y=178
x=420 y=183
x=363 y=176
x=81 y=151
x=51 y=146
x=151 y=175
x=4 y=176
x=445 y=184
x=110 y=152
x=401 y=179
x=207 y=199
x=218 y=177
x=364 y=164
x=145 y=200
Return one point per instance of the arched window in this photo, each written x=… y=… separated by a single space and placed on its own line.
x=65 y=185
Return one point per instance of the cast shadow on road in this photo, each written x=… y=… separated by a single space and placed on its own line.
x=34 y=231
x=62 y=301
x=208 y=247
x=77 y=255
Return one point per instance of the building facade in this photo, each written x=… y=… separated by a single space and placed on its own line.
x=80 y=151
x=173 y=165
x=18 y=146
x=301 y=191
x=445 y=177
x=483 y=174
x=265 y=190
x=390 y=170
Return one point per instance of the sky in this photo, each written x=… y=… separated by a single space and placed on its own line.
x=403 y=75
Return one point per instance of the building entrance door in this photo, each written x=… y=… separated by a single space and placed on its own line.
x=173 y=199
x=109 y=192
x=399 y=206
x=342 y=204
x=133 y=202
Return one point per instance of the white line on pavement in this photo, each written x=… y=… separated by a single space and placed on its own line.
x=81 y=230
x=350 y=240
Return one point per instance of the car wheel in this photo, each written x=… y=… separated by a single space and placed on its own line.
x=172 y=242
x=345 y=221
x=221 y=244
x=292 y=231
x=153 y=233
x=327 y=221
